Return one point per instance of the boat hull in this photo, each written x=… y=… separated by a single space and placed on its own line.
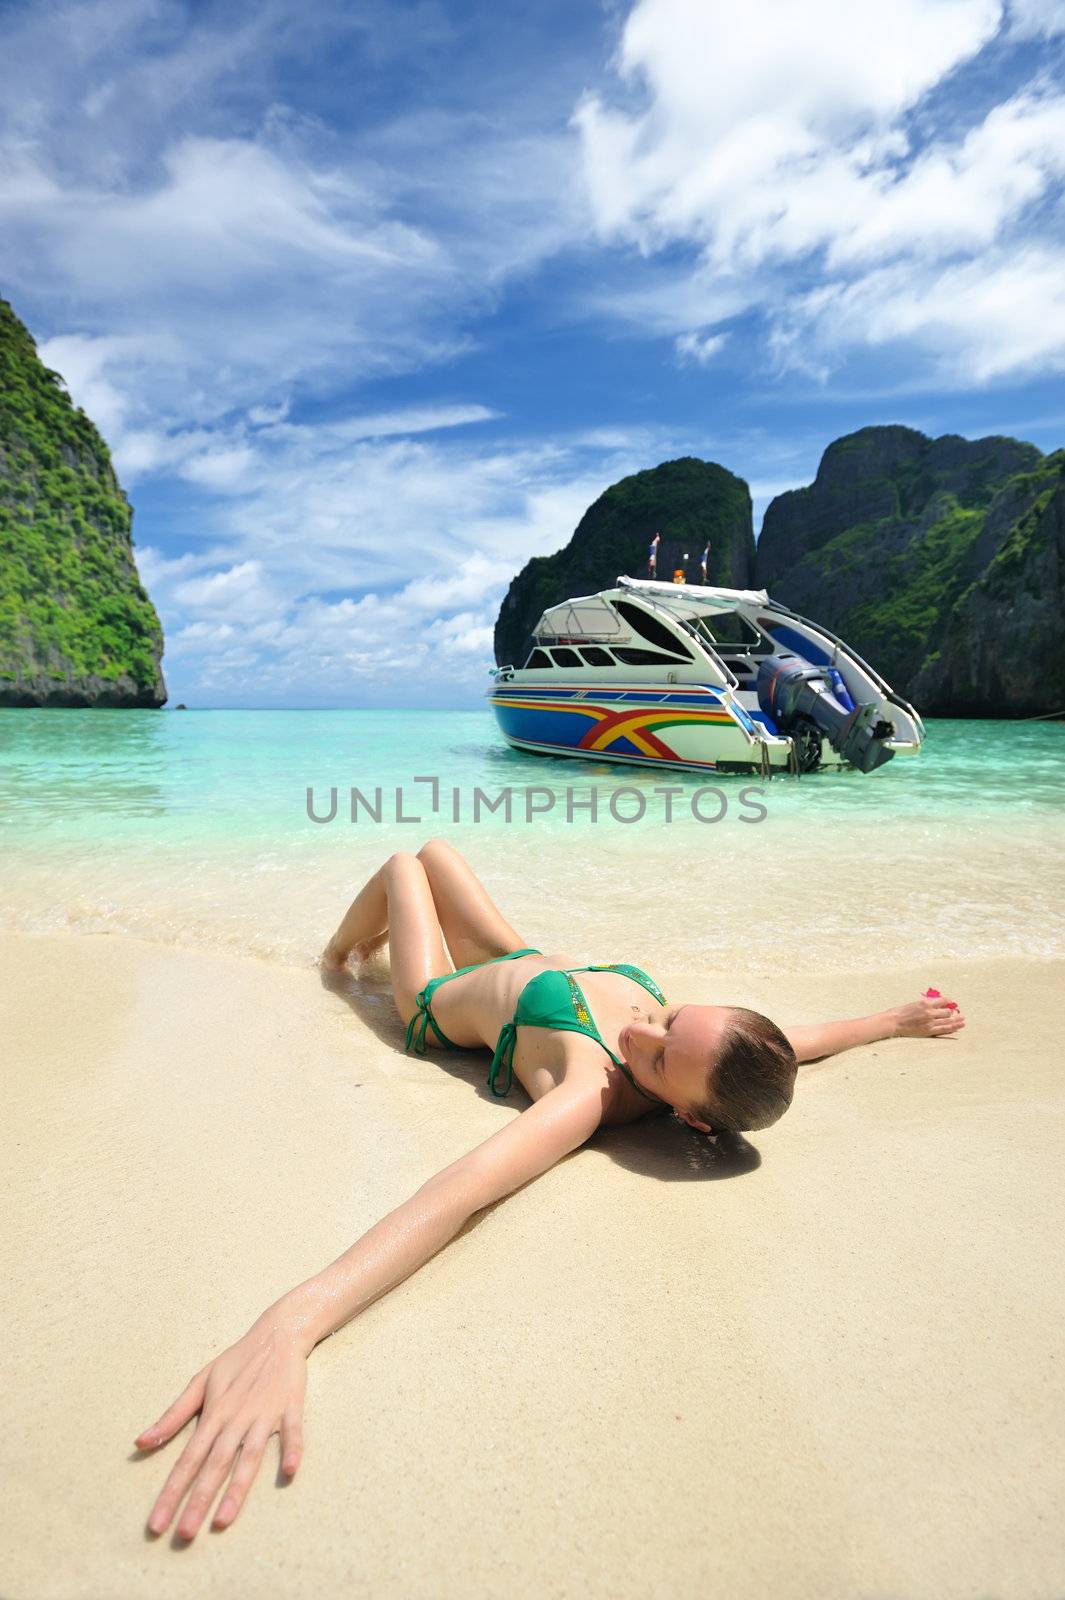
x=689 y=727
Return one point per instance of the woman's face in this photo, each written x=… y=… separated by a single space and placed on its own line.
x=668 y=1052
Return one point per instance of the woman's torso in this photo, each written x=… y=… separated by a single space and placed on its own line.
x=474 y=1007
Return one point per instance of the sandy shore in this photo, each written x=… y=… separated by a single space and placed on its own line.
x=823 y=1369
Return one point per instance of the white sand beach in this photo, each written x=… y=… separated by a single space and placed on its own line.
x=824 y=1364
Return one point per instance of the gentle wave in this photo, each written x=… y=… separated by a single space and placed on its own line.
x=192 y=829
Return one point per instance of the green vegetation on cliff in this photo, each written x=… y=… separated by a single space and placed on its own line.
x=938 y=560
x=76 y=626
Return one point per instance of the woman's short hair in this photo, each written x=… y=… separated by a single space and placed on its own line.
x=752 y=1080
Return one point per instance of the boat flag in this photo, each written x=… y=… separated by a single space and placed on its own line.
x=652 y=554
x=704 y=561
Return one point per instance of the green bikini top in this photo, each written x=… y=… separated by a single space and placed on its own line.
x=554 y=999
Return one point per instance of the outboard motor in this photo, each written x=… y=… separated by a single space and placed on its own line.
x=806 y=704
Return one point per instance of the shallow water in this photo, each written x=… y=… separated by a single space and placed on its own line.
x=193 y=827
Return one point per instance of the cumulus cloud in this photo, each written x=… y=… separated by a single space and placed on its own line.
x=796 y=150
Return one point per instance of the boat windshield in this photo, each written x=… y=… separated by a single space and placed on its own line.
x=727 y=629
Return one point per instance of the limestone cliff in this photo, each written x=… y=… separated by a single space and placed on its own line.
x=941 y=561
x=76 y=626
x=687 y=501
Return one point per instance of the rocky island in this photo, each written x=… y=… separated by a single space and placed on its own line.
x=76 y=625
x=941 y=561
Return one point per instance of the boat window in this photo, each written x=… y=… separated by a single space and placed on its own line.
x=635 y=657
x=538 y=658
x=595 y=657
x=729 y=630
x=566 y=658
x=650 y=628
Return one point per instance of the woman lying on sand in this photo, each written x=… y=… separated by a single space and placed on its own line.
x=592 y=1046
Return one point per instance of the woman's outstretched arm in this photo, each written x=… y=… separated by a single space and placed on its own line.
x=256 y=1387
x=921 y=1019
x=407 y=1237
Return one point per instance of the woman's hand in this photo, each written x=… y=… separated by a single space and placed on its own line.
x=931 y=1017
x=248 y=1393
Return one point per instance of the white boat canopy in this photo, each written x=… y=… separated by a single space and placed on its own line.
x=591 y=617
x=709 y=597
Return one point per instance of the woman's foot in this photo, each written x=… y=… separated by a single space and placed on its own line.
x=927 y=1018
x=330 y=961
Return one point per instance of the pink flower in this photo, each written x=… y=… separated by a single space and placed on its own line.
x=931 y=994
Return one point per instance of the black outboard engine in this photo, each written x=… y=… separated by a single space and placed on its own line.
x=803 y=702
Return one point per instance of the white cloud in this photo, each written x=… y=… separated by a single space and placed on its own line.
x=737 y=95
x=476 y=576
x=797 y=152
x=699 y=348
x=240 y=592
x=415 y=419
x=155 y=567
x=249 y=266
x=958 y=198
x=999 y=316
x=224 y=470
x=266 y=416
x=1032 y=19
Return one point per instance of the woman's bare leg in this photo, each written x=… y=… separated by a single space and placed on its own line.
x=361 y=923
x=472 y=923
x=397 y=898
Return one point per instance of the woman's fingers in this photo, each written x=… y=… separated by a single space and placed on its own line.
x=184 y=1470
x=248 y=1463
x=945 y=1015
x=244 y=1396
x=220 y=1459
x=174 y=1419
x=291 y=1440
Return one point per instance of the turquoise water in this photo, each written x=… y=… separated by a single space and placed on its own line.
x=193 y=827
x=196 y=775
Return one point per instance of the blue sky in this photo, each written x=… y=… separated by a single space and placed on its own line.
x=372 y=300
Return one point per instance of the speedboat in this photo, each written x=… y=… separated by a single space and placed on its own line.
x=690 y=676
